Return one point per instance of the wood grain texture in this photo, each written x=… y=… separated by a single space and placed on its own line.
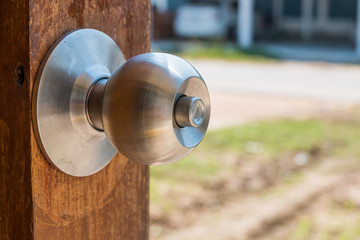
x=39 y=201
x=15 y=123
x=112 y=204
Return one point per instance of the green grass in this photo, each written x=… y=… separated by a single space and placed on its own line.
x=307 y=229
x=275 y=138
x=223 y=52
x=194 y=166
x=350 y=232
x=344 y=225
x=303 y=228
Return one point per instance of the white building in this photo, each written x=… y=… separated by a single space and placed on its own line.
x=300 y=20
x=331 y=20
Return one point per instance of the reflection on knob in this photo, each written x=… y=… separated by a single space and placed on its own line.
x=154 y=108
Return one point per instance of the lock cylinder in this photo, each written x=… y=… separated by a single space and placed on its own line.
x=189 y=111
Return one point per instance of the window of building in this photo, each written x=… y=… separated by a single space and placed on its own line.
x=343 y=9
x=292 y=8
x=263 y=5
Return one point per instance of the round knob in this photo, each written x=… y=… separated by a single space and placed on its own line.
x=155 y=108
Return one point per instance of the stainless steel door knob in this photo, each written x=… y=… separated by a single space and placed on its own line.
x=89 y=102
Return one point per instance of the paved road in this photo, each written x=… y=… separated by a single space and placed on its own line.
x=241 y=92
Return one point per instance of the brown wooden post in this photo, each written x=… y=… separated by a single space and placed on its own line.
x=36 y=200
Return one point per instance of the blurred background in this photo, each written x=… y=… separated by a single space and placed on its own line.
x=281 y=159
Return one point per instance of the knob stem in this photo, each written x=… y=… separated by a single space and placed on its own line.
x=94 y=104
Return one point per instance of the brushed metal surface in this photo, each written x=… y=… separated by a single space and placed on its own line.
x=139 y=104
x=94 y=103
x=63 y=131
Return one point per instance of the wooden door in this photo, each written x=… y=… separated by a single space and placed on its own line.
x=36 y=200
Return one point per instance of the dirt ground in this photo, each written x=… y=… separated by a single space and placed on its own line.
x=272 y=215
x=267 y=201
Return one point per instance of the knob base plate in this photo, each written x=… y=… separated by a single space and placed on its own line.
x=63 y=132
